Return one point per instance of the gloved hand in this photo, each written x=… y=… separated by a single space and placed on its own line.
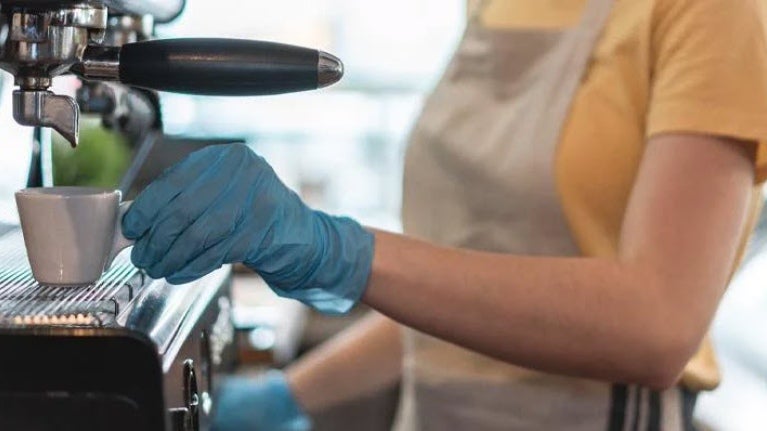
x=224 y=204
x=265 y=404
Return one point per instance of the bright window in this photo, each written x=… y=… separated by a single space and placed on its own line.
x=342 y=147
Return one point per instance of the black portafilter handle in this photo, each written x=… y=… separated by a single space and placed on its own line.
x=226 y=67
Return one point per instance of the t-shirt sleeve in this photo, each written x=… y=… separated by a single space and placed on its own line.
x=709 y=71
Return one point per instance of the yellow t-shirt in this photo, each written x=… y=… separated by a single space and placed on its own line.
x=660 y=66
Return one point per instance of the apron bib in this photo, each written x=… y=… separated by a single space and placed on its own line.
x=479 y=174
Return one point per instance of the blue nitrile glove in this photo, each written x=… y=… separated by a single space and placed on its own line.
x=224 y=204
x=263 y=404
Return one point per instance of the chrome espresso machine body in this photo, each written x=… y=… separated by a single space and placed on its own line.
x=129 y=352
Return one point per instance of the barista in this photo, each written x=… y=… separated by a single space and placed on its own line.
x=578 y=191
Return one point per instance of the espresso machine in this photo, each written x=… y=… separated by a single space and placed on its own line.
x=129 y=352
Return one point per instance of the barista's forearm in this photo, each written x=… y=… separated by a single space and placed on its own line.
x=360 y=361
x=580 y=316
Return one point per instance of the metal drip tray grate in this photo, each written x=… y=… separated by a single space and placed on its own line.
x=23 y=302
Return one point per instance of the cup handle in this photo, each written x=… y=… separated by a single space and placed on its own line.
x=119 y=242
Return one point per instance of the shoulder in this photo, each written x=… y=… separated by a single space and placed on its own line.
x=709 y=69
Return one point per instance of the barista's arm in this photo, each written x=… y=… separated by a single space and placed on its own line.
x=363 y=359
x=635 y=318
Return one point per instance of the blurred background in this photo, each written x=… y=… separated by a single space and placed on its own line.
x=342 y=150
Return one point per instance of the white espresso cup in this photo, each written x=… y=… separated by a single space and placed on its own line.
x=72 y=234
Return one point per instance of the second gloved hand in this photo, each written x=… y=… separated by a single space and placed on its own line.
x=262 y=404
x=224 y=204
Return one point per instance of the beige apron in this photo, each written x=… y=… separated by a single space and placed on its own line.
x=479 y=174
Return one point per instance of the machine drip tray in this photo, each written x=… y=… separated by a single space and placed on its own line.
x=25 y=303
